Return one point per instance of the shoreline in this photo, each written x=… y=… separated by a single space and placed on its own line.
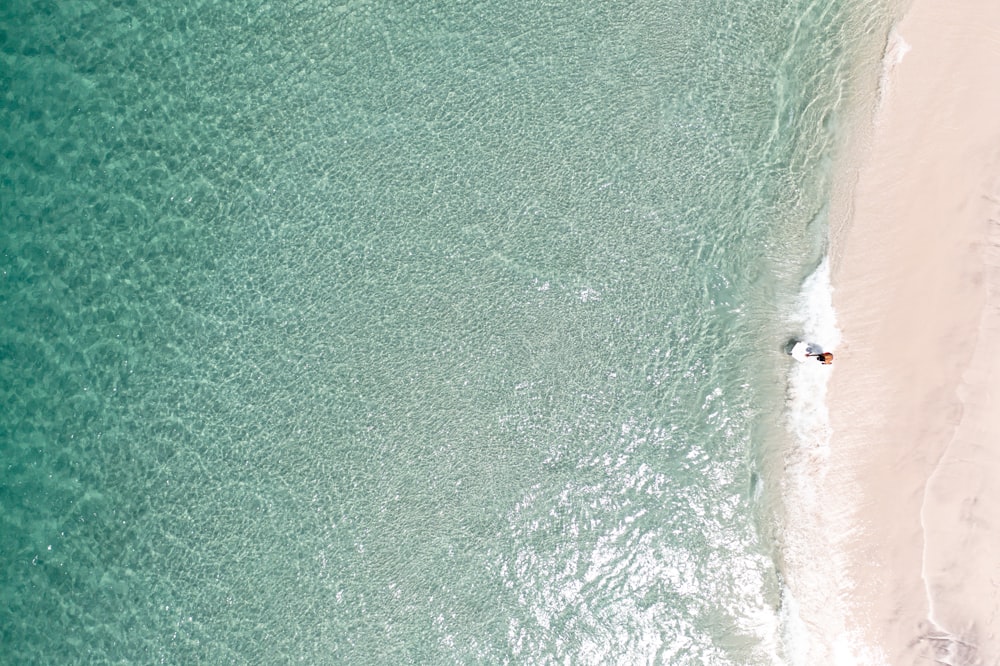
x=914 y=400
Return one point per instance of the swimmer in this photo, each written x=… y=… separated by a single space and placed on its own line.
x=826 y=358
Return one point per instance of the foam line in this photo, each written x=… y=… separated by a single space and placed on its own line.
x=818 y=520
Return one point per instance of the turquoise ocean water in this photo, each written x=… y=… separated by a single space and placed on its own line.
x=392 y=332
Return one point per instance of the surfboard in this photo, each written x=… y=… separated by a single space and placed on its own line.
x=801 y=348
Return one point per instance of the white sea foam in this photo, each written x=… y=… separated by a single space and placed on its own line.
x=816 y=617
x=814 y=315
x=896 y=49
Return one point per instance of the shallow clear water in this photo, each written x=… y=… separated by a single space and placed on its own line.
x=400 y=333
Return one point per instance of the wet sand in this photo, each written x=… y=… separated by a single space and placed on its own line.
x=915 y=397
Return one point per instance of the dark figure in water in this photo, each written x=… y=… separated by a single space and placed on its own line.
x=826 y=358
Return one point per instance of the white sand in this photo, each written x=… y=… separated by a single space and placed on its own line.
x=915 y=396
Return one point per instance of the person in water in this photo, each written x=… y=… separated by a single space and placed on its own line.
x=826 y=358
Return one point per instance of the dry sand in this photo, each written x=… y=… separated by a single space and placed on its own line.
x=915 y=396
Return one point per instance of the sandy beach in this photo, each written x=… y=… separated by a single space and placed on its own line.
x=915 y=396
